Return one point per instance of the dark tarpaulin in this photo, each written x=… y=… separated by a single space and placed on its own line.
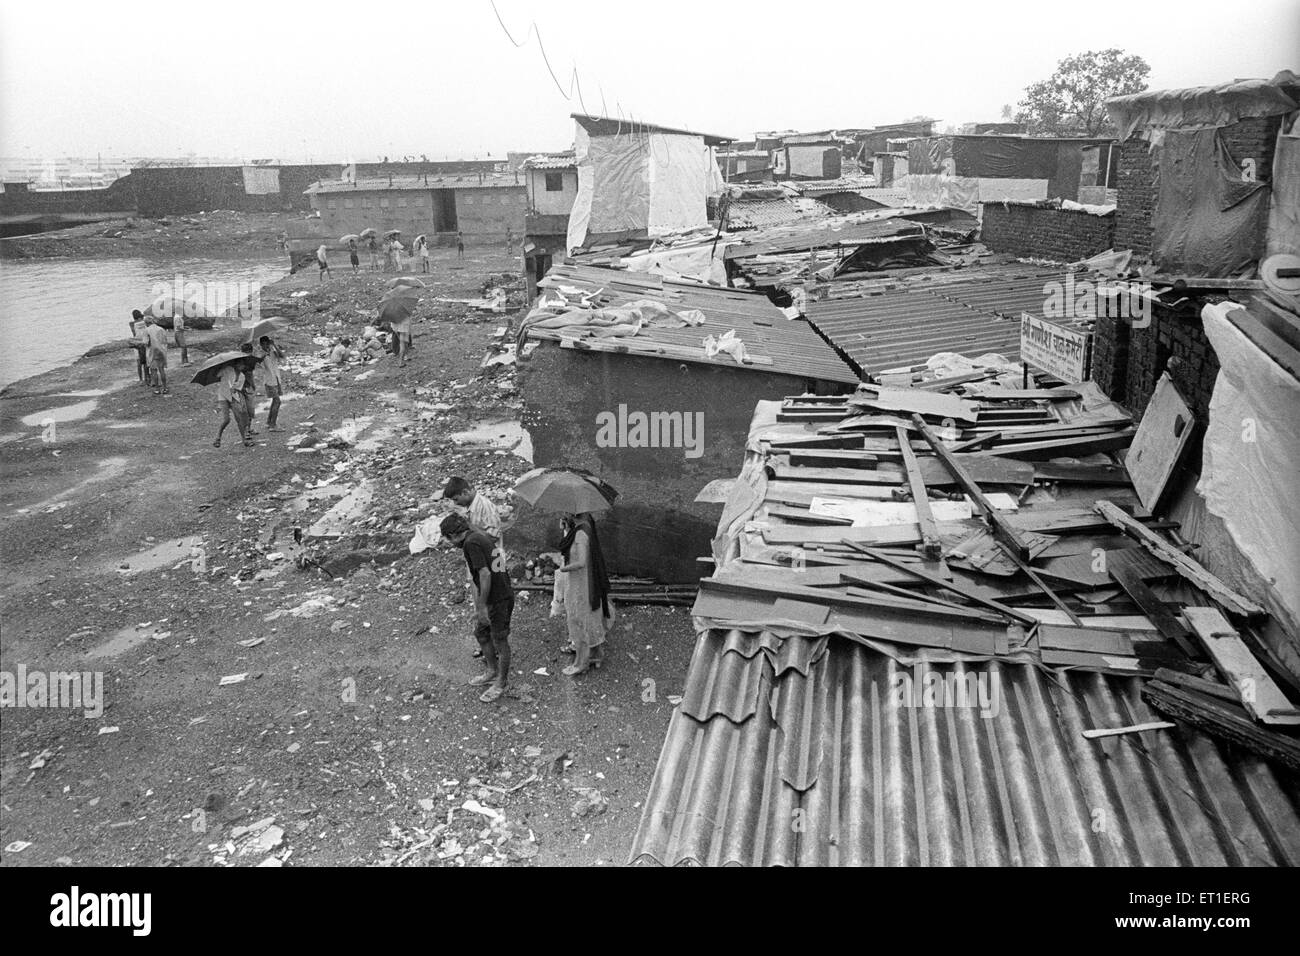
x=1005 y=157
x=1208 y=222
x=929 y=155
x=1204 y=105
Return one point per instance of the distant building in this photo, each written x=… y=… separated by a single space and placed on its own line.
x=551 y=183
x=479 y=206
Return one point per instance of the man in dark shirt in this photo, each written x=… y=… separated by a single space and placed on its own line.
x=494 y=601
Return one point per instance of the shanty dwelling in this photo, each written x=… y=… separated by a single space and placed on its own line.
x=656 y=414
x=480 y=206
x=639 y=179
x=968 y=172
x=817 y=158
x=940 y=679
x=551 y=180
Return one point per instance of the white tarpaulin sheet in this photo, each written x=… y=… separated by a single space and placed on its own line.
x=1012 y=190
x=1252 y=455
x=261 y=180
x=940 y=189
x=580 y=214
x=700 y=263
x=1284 y=213
x=678 y=183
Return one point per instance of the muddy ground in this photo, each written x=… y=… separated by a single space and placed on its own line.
x=134 y=548
x=223 y=232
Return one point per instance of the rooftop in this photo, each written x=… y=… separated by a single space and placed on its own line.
x=613 y=126
x=777 y=345
x=385 y=184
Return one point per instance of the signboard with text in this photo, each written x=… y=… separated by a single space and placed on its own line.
x=1055 y=348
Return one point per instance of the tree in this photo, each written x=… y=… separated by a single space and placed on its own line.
x=1073 y=99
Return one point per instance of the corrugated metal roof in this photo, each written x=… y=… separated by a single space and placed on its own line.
x=806 y=756
x=550 y=161
x=905 y=326
x=801 y=237
x=792 y=345
x=755 y=213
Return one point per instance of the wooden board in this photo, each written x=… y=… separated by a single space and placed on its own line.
x=1129 y=576
x=915 y=401
x=930 y=545
x=1262 y=698
x=1187 y=567
x=1222 y=719
x=1160 y=443
x=1063 y=448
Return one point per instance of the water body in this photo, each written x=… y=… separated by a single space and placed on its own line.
x=53 y=310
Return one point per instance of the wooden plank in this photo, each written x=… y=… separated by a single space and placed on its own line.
x=1184 y=565
x=1106 y=663
x=804 y=516
x=1026 y=394
x=1001 y=528
x=837 y=476
x=1130 y=579
x=982 y=552
x=1039 y=583
x=1222 y=719
x=868 y=587
x=1081 y=474
x=953 y=586
x=1096 y=640
x=972 y=444
x=1160 y=443
x=1132 y=729
x=1262 y=698
x=930 y=544
x=1200 y=684
x=1063 y=448
x=989 y=470
x=803 y=492
x=913 y=401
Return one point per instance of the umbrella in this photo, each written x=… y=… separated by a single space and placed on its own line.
x=400 y=281
x=392 y=232
x=396 y=310
x=421 y=236
x=350 y=237
x=366 y=233
x=265 y=327
x=210 y=370
x=565 y=490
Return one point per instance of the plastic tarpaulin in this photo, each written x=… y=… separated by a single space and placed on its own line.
x=620 y=199
x=701 y=263
x=1202 y=106
x=580 y=214
x=1012 y=190
x=932 y=155
x=1252 y=455
x=1208 y=221
x=1005 y=157
x=261 y=180
x=953 y=192
x=678 y=180
x=1284 y=214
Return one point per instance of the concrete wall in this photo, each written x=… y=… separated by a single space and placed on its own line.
x=1041 y=232
x=480 y=213
x=18 y=200
x=546 y=203
x=656 y=529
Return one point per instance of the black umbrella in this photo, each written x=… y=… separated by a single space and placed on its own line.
x=210 y=371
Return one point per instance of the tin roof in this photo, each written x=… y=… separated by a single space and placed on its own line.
x=808 y=755
x=613 y=126
x=906 y=325
x=780 y=346
x=550 y=161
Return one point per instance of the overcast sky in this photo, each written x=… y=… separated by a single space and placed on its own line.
x=335 y=81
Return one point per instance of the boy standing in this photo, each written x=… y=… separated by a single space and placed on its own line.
x=156 y=344
x=272 y=354
x=229 y=382
x=322 y=259
x=494 y=602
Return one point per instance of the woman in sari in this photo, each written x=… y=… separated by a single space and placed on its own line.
x=588 y=608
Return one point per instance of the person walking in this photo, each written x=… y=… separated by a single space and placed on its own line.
x=322 y=259
x=156 y=343
x=141 y=346
x=353 y=257
x=460 y=245
x=178 y=331
x=230 y=402
x=494 y=601
x=271 y=380
x=373 y=247
x=248 y=391
x=422 y=247
x=589 y=611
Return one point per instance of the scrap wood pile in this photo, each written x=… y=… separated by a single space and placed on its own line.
x=626 y=589
x=1008 y=524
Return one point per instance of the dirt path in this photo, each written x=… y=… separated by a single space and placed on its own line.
x=352 y=727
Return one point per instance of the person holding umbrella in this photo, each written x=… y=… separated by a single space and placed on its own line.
x=227 y=371
x=589 y=612
x=372 y=246
x=141 y=349
x=352 y=254
x=494 y=601
x=271 y=355
x=395 y=311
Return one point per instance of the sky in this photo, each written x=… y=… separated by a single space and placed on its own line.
x=331 y=82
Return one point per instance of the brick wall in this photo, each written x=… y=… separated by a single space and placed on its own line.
x=1174 y=342
x=1041 y=232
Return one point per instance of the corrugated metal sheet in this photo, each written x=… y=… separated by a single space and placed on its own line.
x=752 y=214
x=865 y=228
x=821 y=764
x=792 y=345
x=907 y=325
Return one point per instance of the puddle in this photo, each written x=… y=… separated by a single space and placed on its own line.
x=335 y=521
x=121 y=642
x=497 y=436
x=128 y=425
x=302 y=501
x=88 y=393
x=165 y=555
x=64 y=413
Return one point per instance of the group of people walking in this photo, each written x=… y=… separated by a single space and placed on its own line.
x=150 y=341
x=581 y=586
x=237 y=390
